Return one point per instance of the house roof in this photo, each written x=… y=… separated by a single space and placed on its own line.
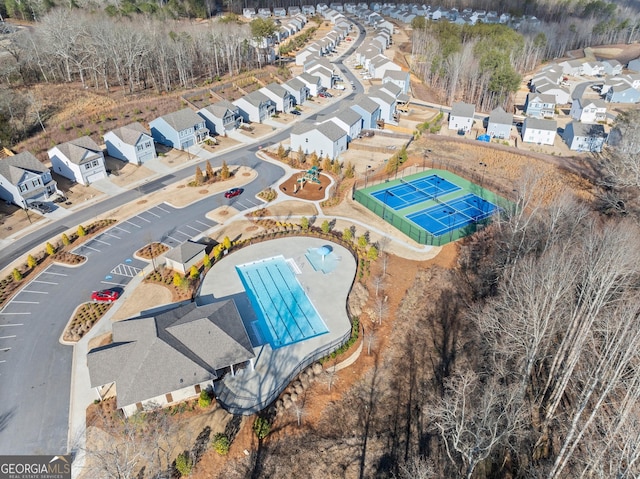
x=220 y=108
x=309 y=78
x=540 y=97
x=277 y=89
x=365 y=103
x=179 y=347
x=185 y=252
x=587 y=129
x=396 y=75
x=182 y=119
x=462 y=109
x=13 y=168
x=598 y=103
x=296 y=84
x=347 y=115
x=302 y=128
x=76 y=150
x=377 y=92
x=256 y=98
x=501 y=117
x=391 y=88
x=130 y=134
x=540 y=124
x=331 y=130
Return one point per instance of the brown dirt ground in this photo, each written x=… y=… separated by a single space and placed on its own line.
x=145 y=296
x=311 y=191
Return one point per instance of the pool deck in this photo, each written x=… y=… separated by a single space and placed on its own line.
x=251 y=390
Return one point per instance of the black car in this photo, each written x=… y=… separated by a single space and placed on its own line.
x=40 y=207
x=295 y=112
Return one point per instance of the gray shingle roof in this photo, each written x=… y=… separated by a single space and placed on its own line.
x=309 y=78
x=277 y=89
x=462 y=109
x=220 y=108
x=13 y=168
x=185 y=252
x=182 y=119
x=587 y=129
x=395 y=75
x=331 y=130
x=183 y=346
x=540 y=124
x=381 y=95
x=348 y=115
x=366 y=103
x=130 y=134
x=80 y=149
x=501 y=117
x=540 y=97
x=256 y=98
x=296 y=84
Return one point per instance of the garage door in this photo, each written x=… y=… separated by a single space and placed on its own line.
x=96 y=176
x=187 y=144
x=146 y=157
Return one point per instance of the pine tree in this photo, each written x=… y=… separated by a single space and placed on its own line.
x=51 y=250
x=282 y=153
x=206 y=261
x=199 y=176
x=224 y=171
x=65 y=239
x=301 y=156
x=31 y=262
x=326 y=164
x=81 y=231
x=210 y=173
x=193 y=272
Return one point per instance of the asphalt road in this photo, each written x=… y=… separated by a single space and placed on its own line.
x=35 y=369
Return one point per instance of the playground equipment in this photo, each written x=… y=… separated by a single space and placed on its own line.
x=312 y=175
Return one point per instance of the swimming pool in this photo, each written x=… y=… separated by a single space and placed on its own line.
x=285 y=313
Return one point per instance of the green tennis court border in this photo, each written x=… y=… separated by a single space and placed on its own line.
x=397 y=218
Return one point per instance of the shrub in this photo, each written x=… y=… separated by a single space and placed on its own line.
x=325 y=227
x=261 y=427
x=347 y=235
x=221 y=444
x=17 y=275
x=362 y=242
x=81 y=231
x=372 y=254
x=65 y=239
x=224 y=171
x=304 y=223
x=204 y=401
x=199 y=179
x=184 y=464
x=177 y=280
x=226 y=243
x=217 y=251
x=193 y=272
x=210 y=173
x=50 y=249
x=31 y=262
x=206 y=261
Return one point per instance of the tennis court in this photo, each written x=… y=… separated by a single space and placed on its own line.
x=458 y=213
x=409 y=193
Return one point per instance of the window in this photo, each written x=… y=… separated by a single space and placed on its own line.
x=147 y=144
x=139 y=147
x=23 y=188
x=87 y=166
x=94 y=163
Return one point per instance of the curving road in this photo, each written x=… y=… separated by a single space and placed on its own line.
x=35 y=368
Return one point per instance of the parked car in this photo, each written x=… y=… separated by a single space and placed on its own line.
x=339 y=87
x=322 y=95
x=295 y=112
x=40 y=207
x=233 y=192
x=106 y=295
x=327 y=94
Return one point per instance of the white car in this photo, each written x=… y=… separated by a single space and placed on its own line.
x=338 y=87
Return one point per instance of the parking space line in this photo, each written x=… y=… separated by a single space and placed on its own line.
x=112 y=235
x=89 y=247
x=8 y=337
x=112 y=283
x=43 y=282
x=5 y=349
x=162 y=209
x=121 y=229
x=3 y=361
x=143 y=219
x=183 y=233
x=194 y=229
x=13 y=324
x=152 y=213
x=137 y=226
x=16 y=314
x=56 y=274
x=205 y=224
x=34 y=292
x=176 y=240
x=25 y=302
x=103 y=242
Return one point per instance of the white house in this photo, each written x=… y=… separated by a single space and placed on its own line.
x=588 y=111
x=571 y=67
x=368 y=109
x=221 y=117
x=584 y=136
x=24 y=179
x=322 y=69
x=80 y=160
x=592 y=68
x=349 y=121
x=298 y=89
x=312 y=82
x=282 y=97
x=561 y=93
x=397 y=77
x=131 y=143
x=325 y=139
x=380 y=64
x=536 y=130
x=184 y=256
x=387 y=104
x=499 y=124
x=461 y=116
x=634 y=65
x=255 y=107
x=611 y=67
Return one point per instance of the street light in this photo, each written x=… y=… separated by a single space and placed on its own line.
x=366 y=175
x=484 y=169
x=450 y=230
x=384 y=203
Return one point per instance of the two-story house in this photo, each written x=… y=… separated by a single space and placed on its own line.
x=588 y=111
x=282 y=97
x=387 y=103
x=539 y=105
x=461 y=116
x=499 y=124
x=80 y=160
x=221 y=117
x=180 y=129
x=131 y=143
x=349 y=121
x=584 y=136
x=536 y=130
x=368 y=109
x=23 y=179
x=255 y=107
x=298 y=89
x=325 y=139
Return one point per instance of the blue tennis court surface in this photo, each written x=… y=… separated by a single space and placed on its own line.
x=457 y=213
x=415 y=191
x=284 y=311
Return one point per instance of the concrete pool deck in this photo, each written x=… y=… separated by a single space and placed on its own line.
x=250 y=390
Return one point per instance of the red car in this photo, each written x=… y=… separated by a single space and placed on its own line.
x=107 y=295
x=233 y=192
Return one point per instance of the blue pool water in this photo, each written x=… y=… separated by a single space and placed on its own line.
x=285 y=313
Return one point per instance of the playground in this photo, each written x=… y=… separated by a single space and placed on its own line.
x=308 y=185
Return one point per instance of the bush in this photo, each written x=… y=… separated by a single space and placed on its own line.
x=224 y=171
x=325 y=227
x=347 y=235
x=304 y=223
x=199 y=179
x=372 y=254
x=81 y=231
x=177 y=280
x=65 y=239
x=17 y=275
x=261 y=427
x=206 y=261
x=51 y=250
x=31 y=262
x=184 y=464
x=204 y=401
x=193 y=272
x=221 y=444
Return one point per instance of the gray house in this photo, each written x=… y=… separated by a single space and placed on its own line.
x=80 y=160
x=312 y=82
x=461 y=116
x=368 y=109
x=255 y=107
x=184 y=256
x=298 y=89
x=499 y=124
x=387 y=104
x=539 y=105
x=350 y=121
x=180 y=129
x=161 y=359
x=23 y=179
x=131 y=143
x=623 y=93
x=584 y=136
x=221 y=117
x=282 y=97
x=398 y=77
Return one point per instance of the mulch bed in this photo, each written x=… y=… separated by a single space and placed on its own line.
x=311 y=191
x=152 y=250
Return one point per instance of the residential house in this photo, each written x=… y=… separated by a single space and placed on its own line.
x=325 y=139
x=588 y=111
x=325 y=74
x=293 y=11
x=282 y=97
x=499 y=124
x=387 y=103
x=312 y=82
x=461 y=116
x=279 y=12
x=307 y=54
x=381 y=64
x=540 y=105
x=350 y=121
x=160 y=359
x=391 y=88
x=547 y=76
x=611 y=67
x=255 y=107
x=249 y=12
x=221 y=117
x=24 y=179
x=634 y=65
x=623 y=93
x=80 y=160
x=560 y=93
x=571 y=67
x=184 y=256
x=397 y=77
x=180 y=129
x=368 y=109
x=298 y=89
x=264 y=12
x=584 y=136
x=592 y=69
x=536 y=130
x=131 y=143
x=308 y=9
